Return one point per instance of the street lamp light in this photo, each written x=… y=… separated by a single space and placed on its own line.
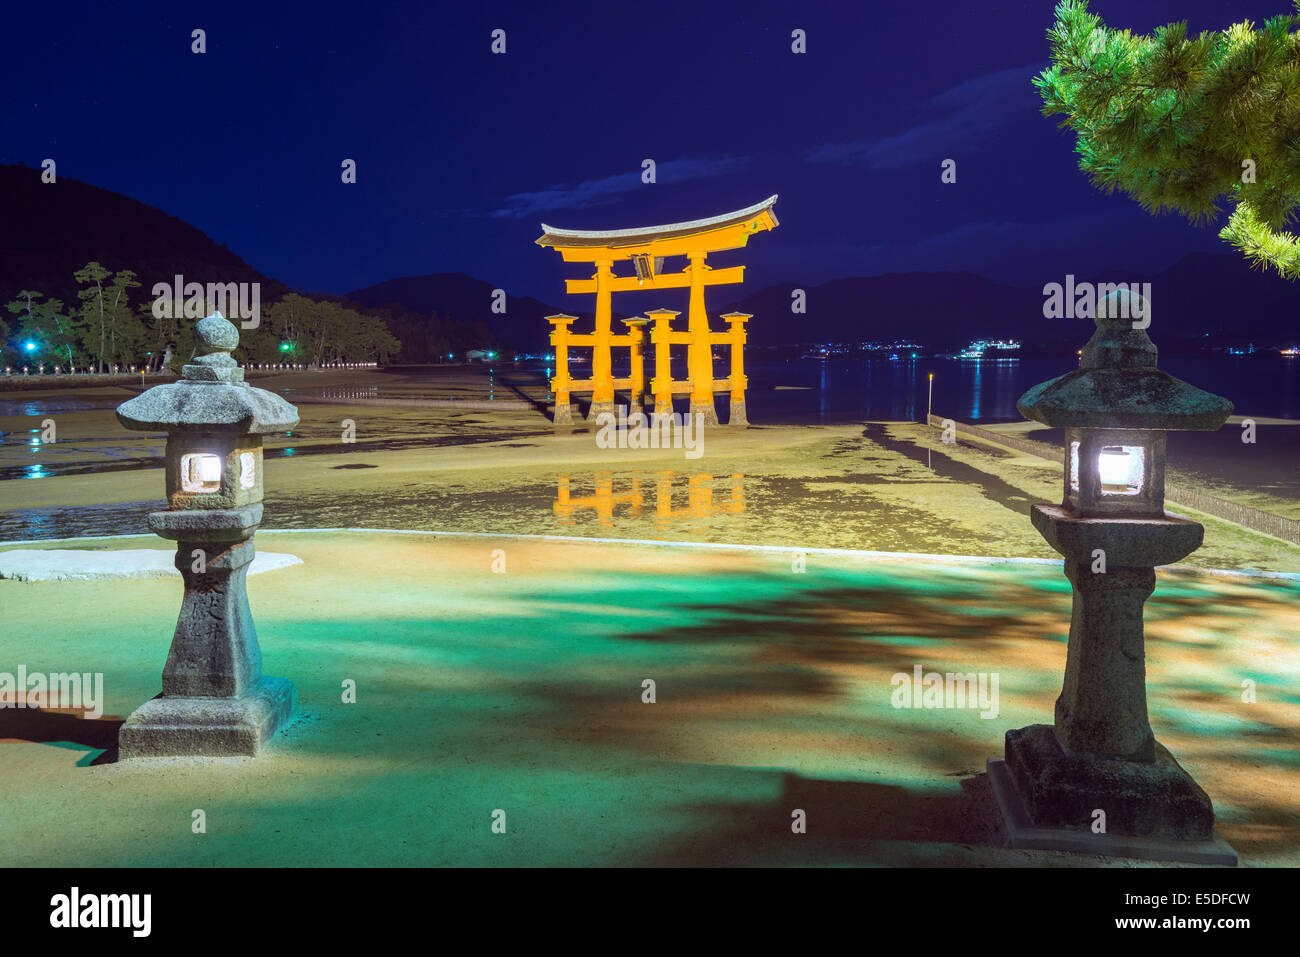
x=215 y=699
x=1111 y=527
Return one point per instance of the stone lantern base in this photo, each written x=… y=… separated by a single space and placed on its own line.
x=208 y=727
x=215 y=701
x=1154 y=810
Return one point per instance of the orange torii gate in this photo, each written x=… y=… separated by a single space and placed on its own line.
x=647 y=248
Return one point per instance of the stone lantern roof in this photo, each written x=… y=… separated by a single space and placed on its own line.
x=1117 y=385
x=212 y=395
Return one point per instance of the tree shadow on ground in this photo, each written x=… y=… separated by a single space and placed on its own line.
x=846 y=821
x=68 y=729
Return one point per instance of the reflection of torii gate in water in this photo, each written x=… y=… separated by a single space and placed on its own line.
x=605 y=500
x=647 y=248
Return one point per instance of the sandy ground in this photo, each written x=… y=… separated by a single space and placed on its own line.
x=520 y=691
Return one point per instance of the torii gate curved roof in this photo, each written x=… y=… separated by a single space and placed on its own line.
x=758 y=216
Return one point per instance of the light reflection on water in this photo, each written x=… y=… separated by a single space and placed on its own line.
x=649 y=503
x=633 y=498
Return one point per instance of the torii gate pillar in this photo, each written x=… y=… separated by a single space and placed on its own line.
x=736 y=321
x=602 y=362
x=699 y=353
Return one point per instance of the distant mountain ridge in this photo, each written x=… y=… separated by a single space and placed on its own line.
x=50 y=230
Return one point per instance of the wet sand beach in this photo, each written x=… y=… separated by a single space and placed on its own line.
x=881 y=486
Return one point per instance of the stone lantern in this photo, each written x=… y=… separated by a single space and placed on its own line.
x=1111 y=527
x=215 y=699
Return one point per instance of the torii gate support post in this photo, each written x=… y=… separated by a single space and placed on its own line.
x=562 y=381
x=602 y=364
x=636 y=332
x=737 y=381
x=699 y=355
x=662 y=383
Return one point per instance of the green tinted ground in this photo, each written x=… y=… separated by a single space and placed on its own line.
x=521 y=691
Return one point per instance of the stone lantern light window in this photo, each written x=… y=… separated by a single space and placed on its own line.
x=1119 y=468
x=200 y=472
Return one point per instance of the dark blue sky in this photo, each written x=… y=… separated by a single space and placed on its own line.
x=462 y=153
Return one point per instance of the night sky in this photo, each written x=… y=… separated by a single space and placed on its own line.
x=462 y=153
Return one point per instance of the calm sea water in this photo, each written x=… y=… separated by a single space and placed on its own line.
x=804 y=390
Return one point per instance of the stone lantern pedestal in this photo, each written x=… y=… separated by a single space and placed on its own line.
x=215 y=699
x=1096 y=780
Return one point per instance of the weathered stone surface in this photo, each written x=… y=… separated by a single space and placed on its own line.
x=215 y=335
x=1062 y=789
x=190 y=406
x=208 y=727
x=1102 y=708
x=214 y=650
x=1023 y=834
x=75 y=564
x=234 y=450
x=207 y=373
x=1127 y=542
x=211 y=525
x=1118 y=386
x=563 y=413
x=1123 y=399
x=597 y=409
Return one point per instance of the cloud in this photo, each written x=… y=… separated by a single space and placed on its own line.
x=975 y=110
x=593 y=192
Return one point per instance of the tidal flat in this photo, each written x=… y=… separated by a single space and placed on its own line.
x=502 y=469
